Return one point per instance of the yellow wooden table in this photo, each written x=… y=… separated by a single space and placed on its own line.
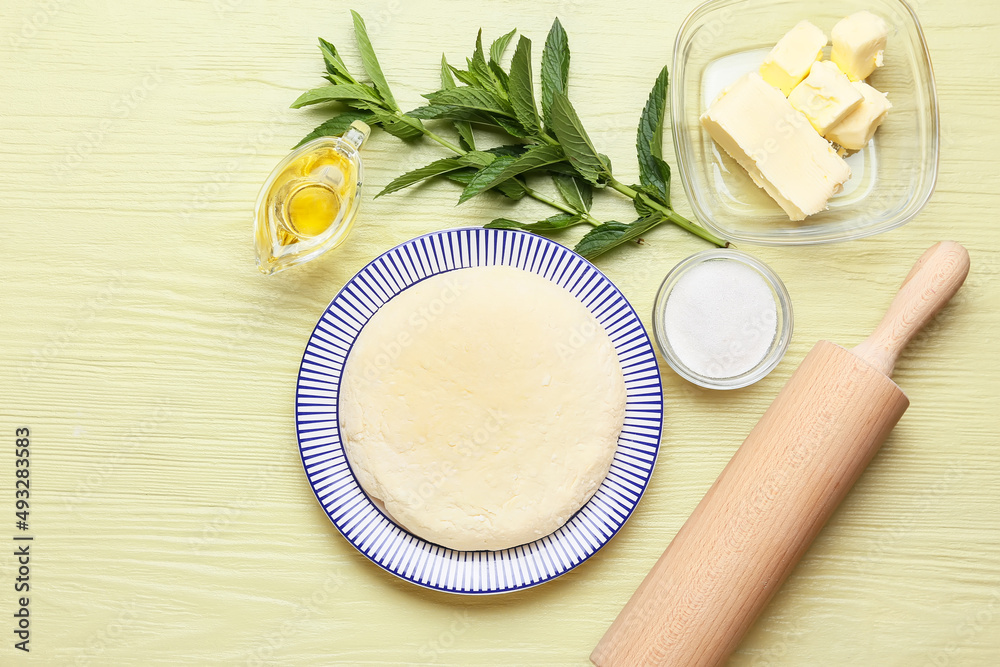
x=155 y=367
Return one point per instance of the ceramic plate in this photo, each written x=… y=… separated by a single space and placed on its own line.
x=357 y=517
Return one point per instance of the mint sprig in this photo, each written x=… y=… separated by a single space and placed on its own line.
x=550 y=142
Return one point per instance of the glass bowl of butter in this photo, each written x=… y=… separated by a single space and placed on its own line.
x=891 y=178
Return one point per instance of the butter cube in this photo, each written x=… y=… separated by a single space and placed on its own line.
x=858 y=44
x=790 y=59
x=758 y=127
x=826 y=96
x=857 y=129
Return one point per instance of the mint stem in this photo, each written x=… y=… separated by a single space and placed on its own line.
x=441 y=140
x=668 y=213
x=534 y=194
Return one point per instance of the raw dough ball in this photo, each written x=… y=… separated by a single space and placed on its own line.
x=482 y=407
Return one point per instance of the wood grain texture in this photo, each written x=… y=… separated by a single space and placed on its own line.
x=156 y=367
x=759 y=517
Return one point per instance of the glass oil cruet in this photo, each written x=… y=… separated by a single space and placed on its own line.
x=308 y=204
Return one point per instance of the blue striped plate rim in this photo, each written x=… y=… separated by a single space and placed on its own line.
x=357 y=517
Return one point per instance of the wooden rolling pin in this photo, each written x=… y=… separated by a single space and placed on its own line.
x=779 y=489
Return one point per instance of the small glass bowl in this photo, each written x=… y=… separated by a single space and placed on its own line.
x=783 y=330
x=892 y=178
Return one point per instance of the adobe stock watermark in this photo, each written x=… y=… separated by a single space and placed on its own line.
x=436 y=477
x=129 y=441
x=110 y=635
x=419 y=321
x=757 y=334
x=88 y=311
x=473 y=443
x=379 y=20
x=431 y=649
x=375 y=22
x=891 y=535
x=719 y=27
x=40 y=17
x=779 y=649
x=122 y=108
x=771 y=488
x=226 y=516
x=578 y=338
x=206 y=194
x=971 y=626
x=306 y=609
x=470 y=445
x=786 y=126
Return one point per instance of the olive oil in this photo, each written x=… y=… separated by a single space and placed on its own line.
x=308 y=204
x=312 y=209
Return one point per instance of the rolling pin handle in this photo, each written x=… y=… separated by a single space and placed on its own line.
x=932 y=281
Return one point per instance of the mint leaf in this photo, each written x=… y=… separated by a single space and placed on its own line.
x=464 y=76
x=576 y=191
x=478 y=159
x=480 y=179
x=566 y=124
x=451 y=112
x=510 y=126
x=480 y=70
x=522 y=91
x=344 y=92
x=640 y=202
x=335 y=67
x=485 y=177
x=337 y=125
x=654 y=172
x=551 y=224
x=370 y=62
x=478 y=61
x=461 y=113
x=474 y=159
x=500 y=45
x=555 y=66
x=612 y=234
x=462 y=176
x=464 y=129
x=402 y=126
x=510 y=189
x=447 y=80
x=421 y=173
x=500 y=77
x=647 y=197
x=508 y=149
x=535 y=157
x=468 y=97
